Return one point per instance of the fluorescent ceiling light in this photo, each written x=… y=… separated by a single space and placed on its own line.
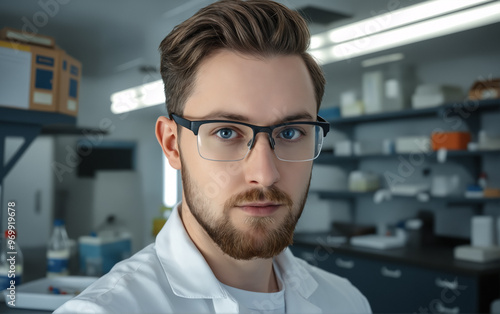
x=382 y=59
x=142 y=96
x=391 y=20
x=439 y=26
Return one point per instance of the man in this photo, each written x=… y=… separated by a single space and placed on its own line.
x=243 y=97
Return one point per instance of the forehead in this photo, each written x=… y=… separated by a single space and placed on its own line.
x=263 y=89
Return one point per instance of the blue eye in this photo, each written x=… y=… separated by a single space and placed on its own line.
x=289 y=134
x=226 y=133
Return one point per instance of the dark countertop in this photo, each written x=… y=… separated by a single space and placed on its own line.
x=436 y=257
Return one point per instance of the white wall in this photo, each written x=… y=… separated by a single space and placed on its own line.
x=29 y=184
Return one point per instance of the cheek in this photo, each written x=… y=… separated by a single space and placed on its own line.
x=217 y=180
x=295 y=178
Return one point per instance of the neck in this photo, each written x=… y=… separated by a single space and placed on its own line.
x=252 y=275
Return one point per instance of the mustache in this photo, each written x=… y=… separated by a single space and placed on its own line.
x=272 y=194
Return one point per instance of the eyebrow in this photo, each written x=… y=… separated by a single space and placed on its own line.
x=241 y=118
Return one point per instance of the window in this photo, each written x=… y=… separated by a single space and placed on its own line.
x=170 y=183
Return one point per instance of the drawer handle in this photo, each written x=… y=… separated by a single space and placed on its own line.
x=443 y=283
x=440 y=308
x=344 y=264
x=390 y=273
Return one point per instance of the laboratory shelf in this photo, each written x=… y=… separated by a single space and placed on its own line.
x=451 y=200
x=328 y=157
x=340 y=194
x=12 y=115
x=27 y=124
x=464 y=109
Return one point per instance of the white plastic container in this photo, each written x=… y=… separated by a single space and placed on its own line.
x=360 y=181
x=482 y=231
x=58 y=251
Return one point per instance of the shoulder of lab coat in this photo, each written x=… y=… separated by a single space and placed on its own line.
x=171 y=276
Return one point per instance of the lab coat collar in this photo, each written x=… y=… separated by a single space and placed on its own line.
x=299 y=284
x=186 y=269
x=190 y=276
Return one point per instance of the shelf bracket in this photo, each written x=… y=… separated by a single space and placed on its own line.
x=27 y=131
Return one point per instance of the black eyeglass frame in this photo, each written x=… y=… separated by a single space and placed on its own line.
x=194 y=126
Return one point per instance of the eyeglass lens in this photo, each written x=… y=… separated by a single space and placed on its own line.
x=231 y=141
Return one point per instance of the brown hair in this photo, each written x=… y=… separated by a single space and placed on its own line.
x=255 y=27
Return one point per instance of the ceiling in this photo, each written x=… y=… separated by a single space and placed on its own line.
x=116 y=35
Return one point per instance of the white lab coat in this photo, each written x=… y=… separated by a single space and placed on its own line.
x=171 y=276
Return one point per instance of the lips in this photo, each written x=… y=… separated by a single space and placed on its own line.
x=260 y=209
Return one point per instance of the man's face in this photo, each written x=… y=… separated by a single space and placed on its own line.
x=249 y=208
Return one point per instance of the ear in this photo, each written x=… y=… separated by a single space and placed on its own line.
x=166 y=134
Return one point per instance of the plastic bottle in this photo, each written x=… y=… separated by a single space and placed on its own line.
x=482 y=181
x=11 y=261
x=58 y=251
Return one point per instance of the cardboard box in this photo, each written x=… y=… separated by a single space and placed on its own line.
x=29 y=76
x=450 y=140
x=489 y=89
x=69 y=86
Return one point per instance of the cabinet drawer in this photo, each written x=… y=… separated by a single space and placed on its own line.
x=450 y=293
x=395 y=287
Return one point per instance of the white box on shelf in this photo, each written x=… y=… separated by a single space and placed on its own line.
x=427 y=96
x=328 y=178
x=360 y=181
x=343 y=148
x=373 y=91
x=413 y=144
x=362 y=148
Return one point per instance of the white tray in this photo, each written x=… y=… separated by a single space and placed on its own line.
x=36 y=295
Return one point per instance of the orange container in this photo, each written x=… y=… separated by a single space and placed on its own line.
x=450 y=140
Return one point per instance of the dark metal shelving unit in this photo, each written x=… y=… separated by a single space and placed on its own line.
x=28 y=124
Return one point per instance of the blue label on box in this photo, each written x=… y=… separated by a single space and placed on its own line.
x=45 y=60
x=5 y=281
x=65 y=65
x=43 y=79
x=73 y=70
x=73 y=88
x=57 y=265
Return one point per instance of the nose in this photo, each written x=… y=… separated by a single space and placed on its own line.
x=260 y=163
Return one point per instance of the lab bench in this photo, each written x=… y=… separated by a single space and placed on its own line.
x=406 y=280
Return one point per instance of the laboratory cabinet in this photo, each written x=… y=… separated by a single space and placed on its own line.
x=396 y=282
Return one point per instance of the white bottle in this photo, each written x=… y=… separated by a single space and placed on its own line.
x=58 y=251
x=11 y=261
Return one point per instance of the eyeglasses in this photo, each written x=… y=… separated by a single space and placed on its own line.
x=223 y=140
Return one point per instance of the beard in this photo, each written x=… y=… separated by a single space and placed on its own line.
x=265 y=237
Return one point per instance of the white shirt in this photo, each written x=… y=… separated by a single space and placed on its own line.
x=257 y=302
x=172 y=276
